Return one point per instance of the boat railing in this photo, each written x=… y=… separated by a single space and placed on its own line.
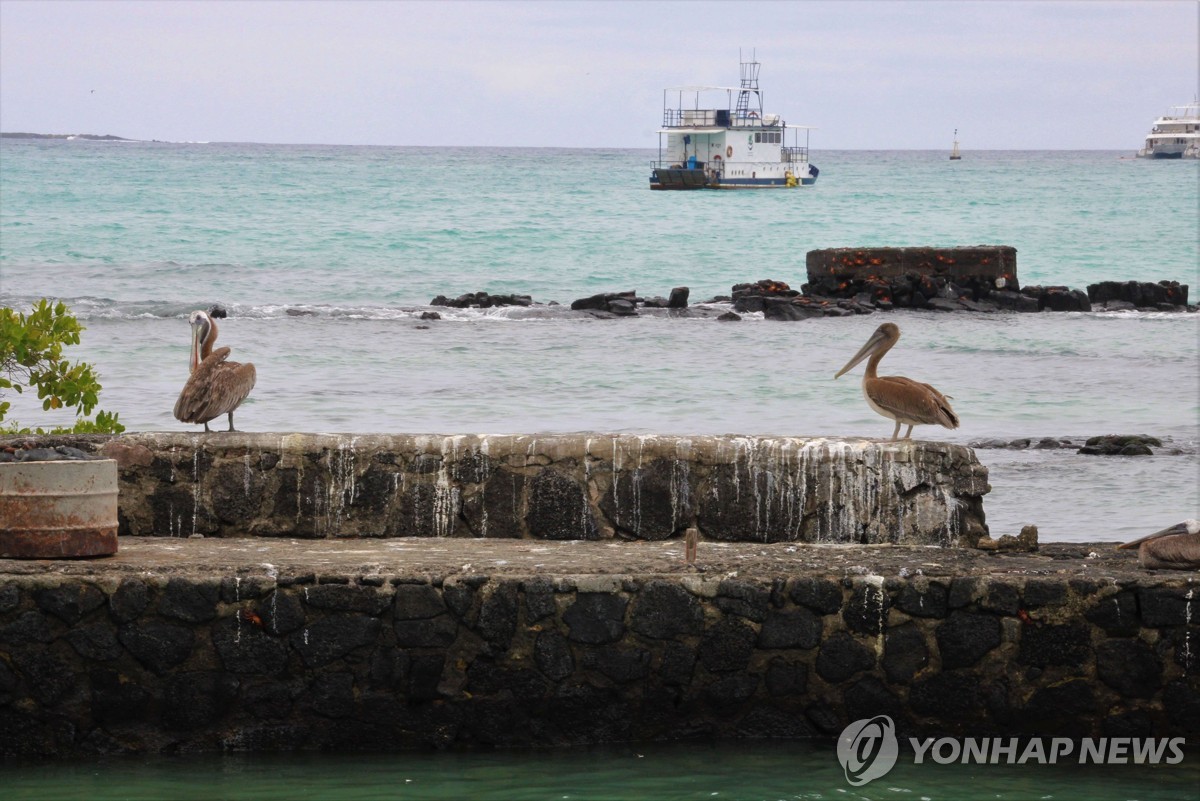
x=794 y=154
x=714 y=168
x=716 y=118
x=689 y=117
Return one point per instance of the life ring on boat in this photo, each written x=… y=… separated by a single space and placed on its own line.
x=729 y=151
x=753 y=115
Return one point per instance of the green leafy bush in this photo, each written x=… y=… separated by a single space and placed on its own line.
x=31 y=358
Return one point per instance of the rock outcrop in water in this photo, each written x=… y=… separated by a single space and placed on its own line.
x=621 y=304
x=848 y=281
x=1121 y=445
x=1128 y=295
x=481 y=300
x=1106 y=445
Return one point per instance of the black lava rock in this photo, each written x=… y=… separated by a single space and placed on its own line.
x=665 y=610
x=1121 y=445
x=965 y=637
x=842 y=656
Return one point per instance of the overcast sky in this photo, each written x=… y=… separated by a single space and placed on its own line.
x=1048 y=74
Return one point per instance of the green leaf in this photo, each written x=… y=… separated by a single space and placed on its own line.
x=31 y=357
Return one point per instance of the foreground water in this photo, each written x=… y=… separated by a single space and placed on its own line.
x=754 y=771
x=327 y=257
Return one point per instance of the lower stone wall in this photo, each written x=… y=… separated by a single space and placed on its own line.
x=556 y=487
x=134 y=658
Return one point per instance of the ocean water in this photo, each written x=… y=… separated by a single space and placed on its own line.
x=327 y=256
x=795 y=770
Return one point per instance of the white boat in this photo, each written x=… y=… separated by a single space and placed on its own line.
x=723 y=145
x=1175 y=135
x=954 y=154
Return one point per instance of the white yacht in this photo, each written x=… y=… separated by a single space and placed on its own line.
x=717 y=144
x=1175 y=135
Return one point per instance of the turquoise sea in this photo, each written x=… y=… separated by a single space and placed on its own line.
x=326 y=257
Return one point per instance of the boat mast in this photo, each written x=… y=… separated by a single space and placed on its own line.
x=749 y=75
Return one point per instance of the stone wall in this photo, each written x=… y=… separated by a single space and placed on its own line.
x=178 y=646
x=557 y=487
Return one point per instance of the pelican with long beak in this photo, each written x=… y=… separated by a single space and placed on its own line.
x=216 y=386
x=1175 y=548
x=906 y=401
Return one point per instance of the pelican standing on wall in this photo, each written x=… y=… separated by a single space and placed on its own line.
x=901 y=399
x=1177 y=547
x=216 y=386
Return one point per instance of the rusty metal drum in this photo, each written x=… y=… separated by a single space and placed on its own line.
x=58 y=509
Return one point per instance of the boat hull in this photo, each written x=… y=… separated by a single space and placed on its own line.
x=678 y=178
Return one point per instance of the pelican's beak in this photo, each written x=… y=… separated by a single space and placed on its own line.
x=872 y=344
x=1178 y=528
x=195 y=357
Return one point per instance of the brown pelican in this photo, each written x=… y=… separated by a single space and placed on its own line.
x=1176 y=547
x=902 y=399
x=216 y=387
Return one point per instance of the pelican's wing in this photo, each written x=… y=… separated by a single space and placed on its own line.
x=1169 y=531
x=911 y=400
x=215 y=388
x=1177 y=550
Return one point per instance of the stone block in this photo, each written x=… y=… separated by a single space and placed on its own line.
x=116 y=700
x=69 y=602
x=785 y=678
x=347 y=598
x=596 y=618
x=964 y=638
x=727 y=646
x=820 y=595
x=841 y=656
x=328 y=639
x=929 y=599
x=158 y=646
x=190 y=601
x=96 y=642
x=195 y=700
x=246 y=649
x=797 y=628
x=664 y=610
x=744 y=599
x=905 y=653
x=558 y=509
x=552 y=654
x=1130 y=667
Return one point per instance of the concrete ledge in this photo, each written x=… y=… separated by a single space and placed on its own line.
x=583 y=486
x=266 y=644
